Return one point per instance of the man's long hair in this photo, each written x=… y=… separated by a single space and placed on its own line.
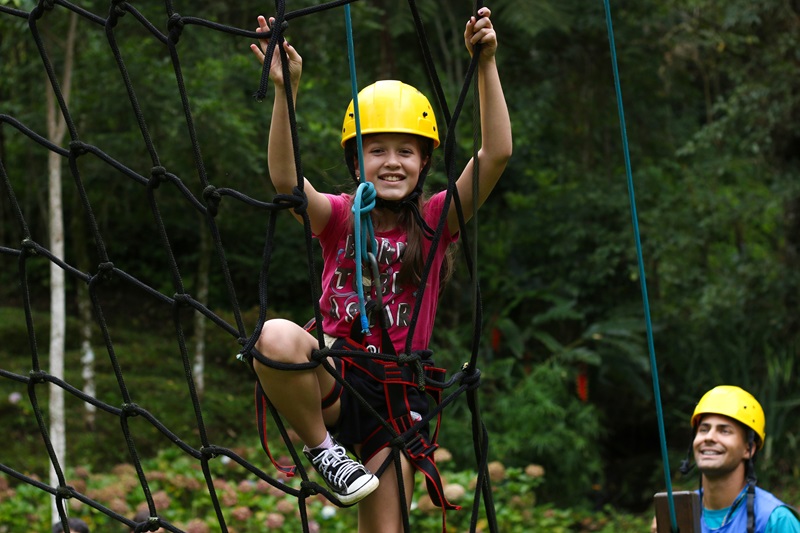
x=750 y=471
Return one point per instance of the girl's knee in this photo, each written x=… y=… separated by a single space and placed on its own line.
x=283 y=341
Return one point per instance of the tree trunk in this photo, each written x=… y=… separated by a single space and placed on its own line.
x=57 y=304
x=56 y=128
x=79 y=247
x=203 y=268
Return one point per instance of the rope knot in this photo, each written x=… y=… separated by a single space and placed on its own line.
x=28 y=246
x=64 y=492
x=130 y=409
x=414 y=360
x=212 y=197
x=300 y=207
x=182 y=298
x=209 y=451
x=153 y=523
x=470 y=376
x=398 y=443
x=78 y=148
x=175 y=27
x=404 y=359
x=106 y=270
x=320 y=354
x=118 y=10
x=37 y=376
x=157 y=176
x=308 y=488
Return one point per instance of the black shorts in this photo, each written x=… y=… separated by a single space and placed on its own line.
x=356 y=422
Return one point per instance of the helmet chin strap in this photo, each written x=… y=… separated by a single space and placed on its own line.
x=687 y=465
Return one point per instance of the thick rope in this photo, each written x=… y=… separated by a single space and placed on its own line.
x=208 y=204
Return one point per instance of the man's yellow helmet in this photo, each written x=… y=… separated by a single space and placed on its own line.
x=735 y=403
x=390 y=106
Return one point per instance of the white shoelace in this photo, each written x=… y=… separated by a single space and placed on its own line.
x=329 y=460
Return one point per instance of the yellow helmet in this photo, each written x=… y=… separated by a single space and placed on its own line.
x=390 y=106
x=735 y=403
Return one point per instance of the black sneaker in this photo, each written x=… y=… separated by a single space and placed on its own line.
x=349 y=480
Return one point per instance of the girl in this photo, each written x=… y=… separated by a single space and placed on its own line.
x=399 y=134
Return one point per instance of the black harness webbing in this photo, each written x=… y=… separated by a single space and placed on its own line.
x=396 y=380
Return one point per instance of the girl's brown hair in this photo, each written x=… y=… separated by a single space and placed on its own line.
x=413 y=256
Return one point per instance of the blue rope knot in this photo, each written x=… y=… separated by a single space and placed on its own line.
x=363 y=203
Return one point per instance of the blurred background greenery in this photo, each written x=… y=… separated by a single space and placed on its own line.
x=713 y=106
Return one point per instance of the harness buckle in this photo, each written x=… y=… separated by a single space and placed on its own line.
x=418 y=447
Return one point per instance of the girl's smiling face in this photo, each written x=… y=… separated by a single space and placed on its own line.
x=393 y=162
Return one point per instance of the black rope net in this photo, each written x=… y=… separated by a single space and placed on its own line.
x=464 y=382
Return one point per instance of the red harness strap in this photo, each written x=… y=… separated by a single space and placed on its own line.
x=396 y=382
x=262 y=412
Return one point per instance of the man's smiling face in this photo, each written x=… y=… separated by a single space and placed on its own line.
x=720 y=446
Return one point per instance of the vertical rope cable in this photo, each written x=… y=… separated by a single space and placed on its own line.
x=642 y=280
x=106 y=272
x=364 y=199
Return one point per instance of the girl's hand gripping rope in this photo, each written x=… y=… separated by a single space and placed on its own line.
x=275 y=68
x=480 y=31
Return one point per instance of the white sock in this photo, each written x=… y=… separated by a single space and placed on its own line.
x=327 y=444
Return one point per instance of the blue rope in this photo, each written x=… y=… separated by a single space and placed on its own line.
x=642 y=280
x=362 y=205
x=364 y=200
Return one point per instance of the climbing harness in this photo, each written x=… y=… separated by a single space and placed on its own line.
x=401 y=427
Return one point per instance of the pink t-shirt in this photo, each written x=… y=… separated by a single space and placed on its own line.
x=339 y=301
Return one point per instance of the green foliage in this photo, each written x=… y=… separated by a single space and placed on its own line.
x=249 y=505
x=560 y=432
x=712 y=105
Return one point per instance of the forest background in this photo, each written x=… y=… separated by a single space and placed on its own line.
x=712 y=101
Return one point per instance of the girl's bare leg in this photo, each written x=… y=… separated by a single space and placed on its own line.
x=296 y=394
x=380 y=512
